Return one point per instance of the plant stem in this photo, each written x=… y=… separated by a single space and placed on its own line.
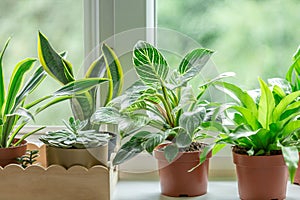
x=167 y=105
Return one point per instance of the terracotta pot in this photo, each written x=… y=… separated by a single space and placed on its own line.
x=175 y=180
x=261 y=177
x=297 y=177
x=10 y=155
x=70 y=157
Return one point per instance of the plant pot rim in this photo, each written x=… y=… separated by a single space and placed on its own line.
x=258 y=161
x=23 y=143
x=189 y=156
x=50 y=146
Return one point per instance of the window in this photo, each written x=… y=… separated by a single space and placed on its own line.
x=251 y=38
x=61 y=21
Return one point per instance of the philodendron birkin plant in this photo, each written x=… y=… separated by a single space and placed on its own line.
x=83 y=105
x=164 y=100
x=263 y=127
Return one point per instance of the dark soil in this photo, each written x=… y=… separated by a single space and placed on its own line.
x=243 y=150
x=194 y=146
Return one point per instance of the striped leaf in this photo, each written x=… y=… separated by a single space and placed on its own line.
x=79 y=86
x=114 y=73
x=83 y=106
x=16 y=82
x=192 y=64
x=2 y=85
x=38 y=76
x=150 y=65
x=52 y=62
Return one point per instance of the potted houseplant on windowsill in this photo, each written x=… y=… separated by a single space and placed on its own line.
x=263 y=141
x=83 y=104
x=164 y=100
x=15 y=111
x=283 y=87
x=74 y=146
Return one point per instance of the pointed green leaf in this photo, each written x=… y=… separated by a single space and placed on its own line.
x=152 y=140
x=283 y=105
x=291 y=158
x=127 y=151
x=53 y=102
x=150 y=65
x=192 y=64
x=114 y=72
x=16 y=83
x=83 y=106
x=248 y=117
x=31 y=85
x=79 y=86
x=239 y=95
x=290 y=128
x=266 y=105
x=2 y=85
x=52 y=62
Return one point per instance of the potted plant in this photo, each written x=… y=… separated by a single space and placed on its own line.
x=74 y=146
x=83 y=104
x=164 y=100
x=14 y=110
x=263 y=141
x=283 y=87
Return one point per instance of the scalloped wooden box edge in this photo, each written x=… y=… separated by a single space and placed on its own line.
x=37 y=182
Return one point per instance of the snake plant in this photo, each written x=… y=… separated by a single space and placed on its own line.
x=164 y=100
x=74 y=137
x=83 y=105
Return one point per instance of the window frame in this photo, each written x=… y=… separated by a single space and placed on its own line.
x=102 y=20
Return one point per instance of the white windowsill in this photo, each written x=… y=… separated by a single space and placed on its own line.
x=150 y=190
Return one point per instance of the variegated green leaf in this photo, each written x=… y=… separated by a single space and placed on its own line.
x=114 y=72
x=16 y=83
x=150 y=65
x=190 y=121
x=170 y=152
x=52 y=102
x=34 y=81
x=52 y=62
x=2 y=85
x=192 y=64
x=79 y=86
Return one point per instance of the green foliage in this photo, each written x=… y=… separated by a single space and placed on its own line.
x=29 y=158
x=162 y=99
x=74 y=137
x=83 y=104
x=263 y=127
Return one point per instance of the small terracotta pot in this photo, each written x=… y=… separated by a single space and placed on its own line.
x=10 y=155
x=297 y=177
x=175 y=180
x=70 y=157
x=261 y=177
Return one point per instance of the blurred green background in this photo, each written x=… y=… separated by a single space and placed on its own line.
x=251 y=37
x=61 y=21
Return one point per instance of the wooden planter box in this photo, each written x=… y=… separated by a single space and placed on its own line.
x=37 y=182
